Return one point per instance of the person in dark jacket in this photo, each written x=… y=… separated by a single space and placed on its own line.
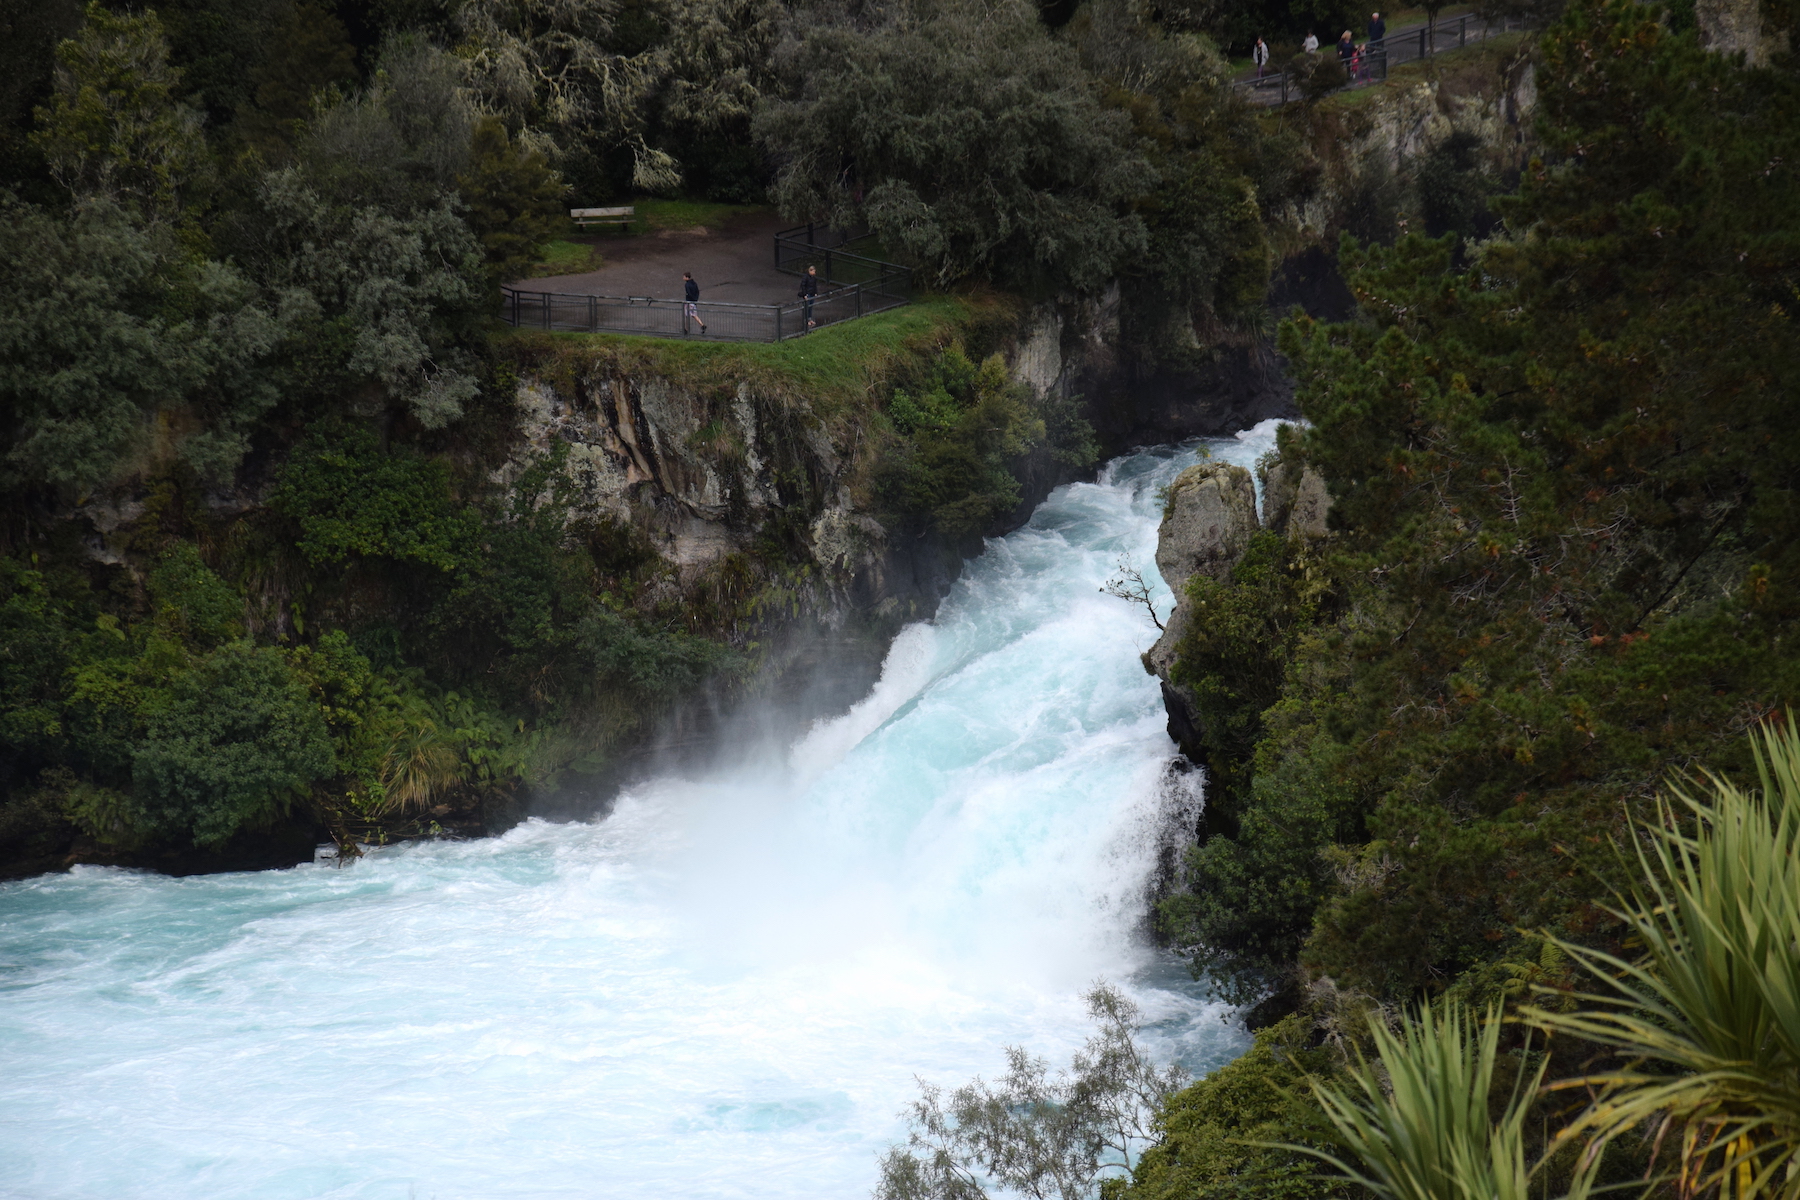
x=1376 y=45
x=1346 y=49
x=691 y=291
x=809 y=288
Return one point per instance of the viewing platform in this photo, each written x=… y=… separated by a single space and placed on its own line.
x=764 y=306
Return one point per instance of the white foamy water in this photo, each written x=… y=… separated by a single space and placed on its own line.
x=723 y=989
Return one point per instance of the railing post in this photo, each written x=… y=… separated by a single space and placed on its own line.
x=827 y=268
x=547 y=314
x=1284 y=87
x=593 y=314
x=1462 y=33
x=859 y=288
x=1422 y=30
x=778 y=323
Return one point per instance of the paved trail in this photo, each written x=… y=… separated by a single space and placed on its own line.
x=733 y=262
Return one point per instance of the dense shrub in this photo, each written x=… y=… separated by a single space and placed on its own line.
x=348 y=498
x=971 y=439
x=232 y=743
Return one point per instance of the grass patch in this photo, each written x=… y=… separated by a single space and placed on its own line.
x=566 y=258
x=655 y=216
x=838 y=369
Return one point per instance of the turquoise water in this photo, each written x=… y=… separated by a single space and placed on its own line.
x=723 y=989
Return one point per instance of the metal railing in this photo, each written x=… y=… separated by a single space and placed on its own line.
x=850 y=285
x=806 y=246
x=1374 y=59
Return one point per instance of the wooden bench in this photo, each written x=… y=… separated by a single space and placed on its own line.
x=605 y=216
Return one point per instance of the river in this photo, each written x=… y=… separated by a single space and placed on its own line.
x=724 y=988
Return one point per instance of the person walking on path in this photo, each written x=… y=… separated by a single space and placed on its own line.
x=1311 y=44
x=1259 y=54
x=1346 y=49
x=1377 y=30
x=692 y=291
x=809 y=288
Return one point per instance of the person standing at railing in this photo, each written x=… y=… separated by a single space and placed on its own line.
x=691 y=290
x=809 y=288
x=1346 y=49
x=1311 y=44
x=1377 y=30
x=1259 y=54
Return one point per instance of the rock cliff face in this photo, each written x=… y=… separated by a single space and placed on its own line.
x=1208 y=520
x=705 y=472
x=1295 y=502
x=1207 y=525
x=1744 y=27
x=1366 y=145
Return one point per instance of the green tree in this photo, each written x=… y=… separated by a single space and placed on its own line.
x=313 y=58
x=514 y=199
x=971 y=437
x=36 y=644
x=1222 y=1137
x=1206 y=256
x=114 y=127
x=966 y=138
x=230 y=745
x=105 y=322
x=1031 y=1132
x=399 y=143
x=348 y=500
x=1563 y=486
x=189 y=601
x=378 y=301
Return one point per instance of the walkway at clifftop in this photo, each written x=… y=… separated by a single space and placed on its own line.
x=748 y=270
x=731 y=262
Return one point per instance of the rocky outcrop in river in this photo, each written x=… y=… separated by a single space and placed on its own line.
x=1208 y=520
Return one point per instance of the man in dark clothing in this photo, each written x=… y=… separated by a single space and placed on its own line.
x=809 y=288
x=1377 y=28
x=692 y=291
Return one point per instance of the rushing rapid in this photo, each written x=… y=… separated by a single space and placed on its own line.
x=725 y=988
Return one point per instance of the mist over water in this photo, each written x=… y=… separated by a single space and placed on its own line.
x=722 y=989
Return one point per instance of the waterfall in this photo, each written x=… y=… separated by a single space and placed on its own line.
x=723 y=989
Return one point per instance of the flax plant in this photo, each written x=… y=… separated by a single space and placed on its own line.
x=1414 y=1125
x=1707 y=1019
